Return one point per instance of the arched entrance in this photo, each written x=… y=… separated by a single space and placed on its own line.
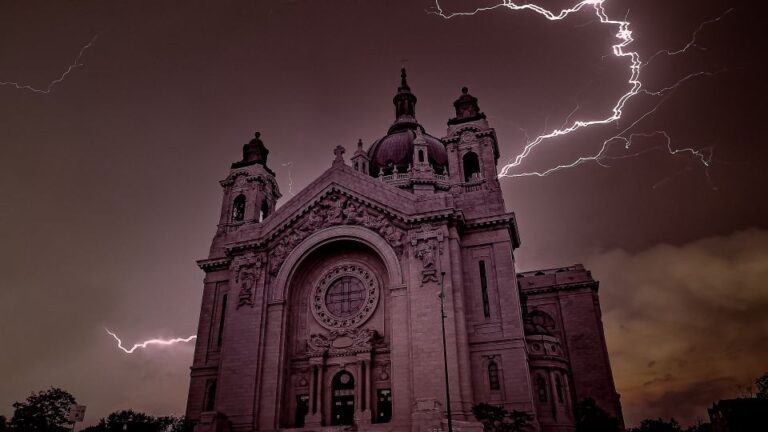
x=342 y=399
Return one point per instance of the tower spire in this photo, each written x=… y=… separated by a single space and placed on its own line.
x=405 y=104
x=403 y=81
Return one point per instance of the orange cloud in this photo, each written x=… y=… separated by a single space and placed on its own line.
x=686 y=325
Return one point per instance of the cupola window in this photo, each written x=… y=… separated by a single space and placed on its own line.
x=264 y=212
x=238 y=208
x=471 y=165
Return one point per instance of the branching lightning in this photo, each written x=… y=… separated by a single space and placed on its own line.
x=149 y=342
x=692 y=43
x=620 y=50
x=289 y=165
x=75 y=64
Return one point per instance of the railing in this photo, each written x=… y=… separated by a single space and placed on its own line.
x=472 y=187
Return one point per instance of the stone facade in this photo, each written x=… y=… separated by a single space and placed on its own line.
x=324 y=314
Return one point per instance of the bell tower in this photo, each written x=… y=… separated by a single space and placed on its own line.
x=473 y=153
x=250 y=190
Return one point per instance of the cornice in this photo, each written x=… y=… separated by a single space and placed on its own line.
x=212 y=264
x=479 y=133
x=593 y=285
x=507 y=220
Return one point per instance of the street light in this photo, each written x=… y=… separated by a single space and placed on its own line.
x=445 y=352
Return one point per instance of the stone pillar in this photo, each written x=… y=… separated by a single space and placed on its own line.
x=553 y=392
x=455 y=281
x=312 y=389
x=368 y=385
x=363 y=390
x=400 y=377
x=315 y=416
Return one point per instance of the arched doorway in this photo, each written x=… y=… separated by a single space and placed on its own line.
x=343 y=399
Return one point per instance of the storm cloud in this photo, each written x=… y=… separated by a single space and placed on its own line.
x=686 y=325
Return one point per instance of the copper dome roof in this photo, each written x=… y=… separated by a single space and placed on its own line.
x=396 y=148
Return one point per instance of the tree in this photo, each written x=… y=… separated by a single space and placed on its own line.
x=133 y=421
x=498 y=419
x=658 y=425
x=3 y=422
x=762 y=386
x=182 y=424
x=700 y=427
x=591 y=418
x=45 y=411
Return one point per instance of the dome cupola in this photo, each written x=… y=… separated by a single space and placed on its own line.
x=466 y=108
x=394 y=151
x=255 y=152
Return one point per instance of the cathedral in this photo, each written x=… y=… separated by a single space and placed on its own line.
x=325 y=314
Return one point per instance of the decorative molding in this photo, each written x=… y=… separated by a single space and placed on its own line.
x=214 y=264
x=427 y=246
x=593 y=285
x=335 y=209
x=247 y=271
x=381 y=371
x=342 y=342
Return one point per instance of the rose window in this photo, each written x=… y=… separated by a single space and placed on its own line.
x=345 y=296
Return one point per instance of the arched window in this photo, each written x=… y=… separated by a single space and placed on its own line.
x=541 y=388
x=540 y=322
x=493 y=376
x=238 y=208
x=471 y=166
x=421 y=156
x=264 y=211
x=210 y=395
x=559 y=388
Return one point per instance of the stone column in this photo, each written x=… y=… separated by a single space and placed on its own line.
x=555 y=400
x=368 y=385
x=312 y=389
x=314 y=417
x=363 y=390
x=400 y=376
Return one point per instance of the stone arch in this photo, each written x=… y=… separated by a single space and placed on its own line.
x=330 y=235
x=471 y=164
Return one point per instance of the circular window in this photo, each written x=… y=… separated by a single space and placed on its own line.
x=345 y=296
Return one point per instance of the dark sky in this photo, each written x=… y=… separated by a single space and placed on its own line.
x=109 y=184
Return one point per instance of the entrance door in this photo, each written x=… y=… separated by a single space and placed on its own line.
x=343 y=400
x=384 y=405
x=302 y=408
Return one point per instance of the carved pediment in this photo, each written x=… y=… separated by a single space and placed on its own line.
x=342 y=342
x=332 y=210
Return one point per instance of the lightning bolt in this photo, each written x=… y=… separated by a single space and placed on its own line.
x=75 y=64
x=149 y=342
x=692 y=43
x=290 y=177
x=619 y=49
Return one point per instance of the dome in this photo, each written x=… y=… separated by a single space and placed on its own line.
x=396 y=148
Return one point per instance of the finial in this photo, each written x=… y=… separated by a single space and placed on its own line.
x=257 y=135
x=360 y=144
x=403 y=76
x=464 y=90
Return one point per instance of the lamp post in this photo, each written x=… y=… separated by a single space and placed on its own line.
x=445 y=352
